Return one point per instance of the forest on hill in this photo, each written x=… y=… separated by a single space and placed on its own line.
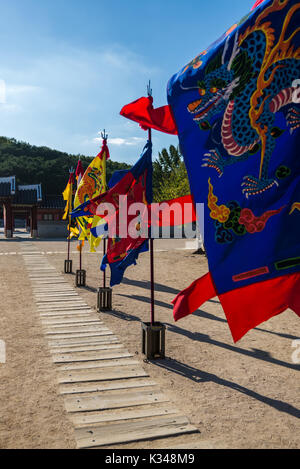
x=33 y=165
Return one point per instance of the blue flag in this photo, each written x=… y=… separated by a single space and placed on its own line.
x=236 y=107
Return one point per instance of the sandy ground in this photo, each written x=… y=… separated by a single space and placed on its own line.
x=243 y=395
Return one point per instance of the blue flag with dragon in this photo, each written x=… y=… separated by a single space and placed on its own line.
x=237 y=111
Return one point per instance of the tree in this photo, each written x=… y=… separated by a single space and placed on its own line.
x=170 y=178
x=33 y=165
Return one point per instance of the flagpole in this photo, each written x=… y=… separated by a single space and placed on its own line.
x=104 y=136
x=104 y=295
x=149 y=91
x=69 y=228
x=80 y=242
x=68 y=262
x=80 y=258
x=69 y=238
x=104 y=271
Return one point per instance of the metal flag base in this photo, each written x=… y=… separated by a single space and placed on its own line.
x=153 y=340
x=104 y=299
x=68 y=266
x=80 y=278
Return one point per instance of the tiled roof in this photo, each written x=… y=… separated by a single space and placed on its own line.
x=25 y=197
x=53 y=201
x=5 y=188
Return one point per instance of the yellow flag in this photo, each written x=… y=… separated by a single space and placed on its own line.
x=92 y=184
x=67 y=195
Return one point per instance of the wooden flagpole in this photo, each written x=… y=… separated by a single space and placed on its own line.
x=153 y=333
x=104 y=137
x=68 y=262
x=149 y=92
x=69 y=216
x=104 y=296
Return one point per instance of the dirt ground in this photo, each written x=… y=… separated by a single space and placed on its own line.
x=243 y=395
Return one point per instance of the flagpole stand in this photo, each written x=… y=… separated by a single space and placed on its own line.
x=68 y=266
x=153 y=340
x=80 y=280
x=104 y=299
x=104 y=294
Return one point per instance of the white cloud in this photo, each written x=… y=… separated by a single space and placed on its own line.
x=132 y=141
x=13 y=90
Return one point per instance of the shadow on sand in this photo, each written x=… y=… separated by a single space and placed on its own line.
x=199 y=376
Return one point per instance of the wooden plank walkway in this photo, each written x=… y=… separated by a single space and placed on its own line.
x=108 y=396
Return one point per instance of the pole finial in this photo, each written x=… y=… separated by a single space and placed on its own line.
x=71 y=170
x=104 y=135
x=149 y=89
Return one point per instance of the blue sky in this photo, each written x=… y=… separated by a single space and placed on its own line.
x=69 y=66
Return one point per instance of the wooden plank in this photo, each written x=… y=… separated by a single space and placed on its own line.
x=110 y=363
x=90 y=356
x=60 y=307
x=40 y=268
x=79 y=334
x=51 y=274
x=85 y=348
x=73 y=329
x=56 y=291
x=32 y=269
x=52 y=290
x=62 y=303
x=39 y=281
x=55 y=304
x=88 y=313
x=116 y=385
x=43 y=282
x=102 y=401
x=82 y=419
x=132 y=431
x=98 y=374
x=83 y=340
x=59 y=299
x=76 y=325
x=50 y=293
x=64 y=321
x=56 y=295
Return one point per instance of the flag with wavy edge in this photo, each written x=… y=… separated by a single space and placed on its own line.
x=68 y=195
x=237 y=112
x=92 y=183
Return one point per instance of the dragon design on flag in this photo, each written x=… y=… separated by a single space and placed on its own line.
x=249 y=89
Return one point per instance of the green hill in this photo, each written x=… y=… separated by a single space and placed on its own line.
x=33 y=165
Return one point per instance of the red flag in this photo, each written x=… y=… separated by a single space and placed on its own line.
x=104 y=150
x=242 y=310
x=79 y=172
x=190 y=299
x=143 y=112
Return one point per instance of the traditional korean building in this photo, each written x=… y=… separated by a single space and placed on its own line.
x=42 y=215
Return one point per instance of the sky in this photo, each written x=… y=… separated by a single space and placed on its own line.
x=69 y=66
